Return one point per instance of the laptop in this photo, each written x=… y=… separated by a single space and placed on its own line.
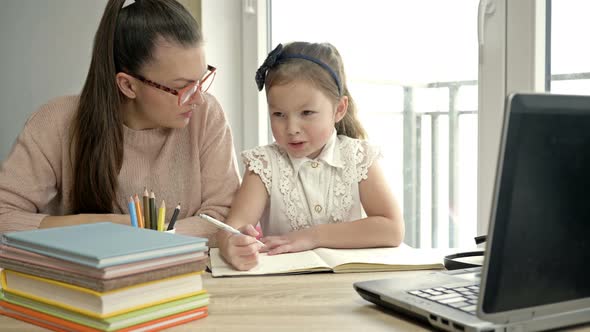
x=536 y=272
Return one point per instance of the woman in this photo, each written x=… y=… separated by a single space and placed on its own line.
x=142 y=120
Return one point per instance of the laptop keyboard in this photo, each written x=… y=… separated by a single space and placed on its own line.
x=462 y=298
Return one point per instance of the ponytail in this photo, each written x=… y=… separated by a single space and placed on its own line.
x=97 y=130
x=124 y=41
x=350 y=125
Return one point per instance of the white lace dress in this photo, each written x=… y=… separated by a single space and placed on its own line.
x=305 y=192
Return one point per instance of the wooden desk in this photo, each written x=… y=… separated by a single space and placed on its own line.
x=312 y=302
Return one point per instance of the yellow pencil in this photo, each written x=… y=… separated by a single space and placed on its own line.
x=161 y=216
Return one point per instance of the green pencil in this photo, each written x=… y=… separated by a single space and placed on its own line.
x=153 y=214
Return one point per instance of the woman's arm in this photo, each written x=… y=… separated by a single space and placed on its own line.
x=31 y=175
x=28 y=179
x=58 y=221
x=383 y=226
x=219 y=172
x=195 y=226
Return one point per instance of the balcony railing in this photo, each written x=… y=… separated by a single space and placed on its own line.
x=412 y=161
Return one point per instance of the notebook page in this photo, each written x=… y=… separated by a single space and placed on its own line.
x=298 y=262
x=375 y=258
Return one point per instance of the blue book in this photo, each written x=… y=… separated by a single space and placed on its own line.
x=103 y=244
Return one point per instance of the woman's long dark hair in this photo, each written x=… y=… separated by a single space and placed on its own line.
x=124 y=41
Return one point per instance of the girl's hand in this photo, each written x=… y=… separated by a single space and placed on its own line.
x=292 y=242
x=241 y=251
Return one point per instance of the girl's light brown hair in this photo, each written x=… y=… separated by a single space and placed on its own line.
x=291 y=69
x=124 y=41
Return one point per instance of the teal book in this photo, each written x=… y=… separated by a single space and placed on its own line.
x=103 y=244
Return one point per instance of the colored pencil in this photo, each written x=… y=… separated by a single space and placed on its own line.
x=132 y=214
x=138 y=211
x=161 y=216
x=153 y=214
x=174 y=217
x=146 y=209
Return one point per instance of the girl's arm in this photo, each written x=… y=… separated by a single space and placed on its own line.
x=383 y=226
x=249 y=203
x=247 y=208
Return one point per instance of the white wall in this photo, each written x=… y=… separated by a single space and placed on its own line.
x=221 y=24
x=45 y=52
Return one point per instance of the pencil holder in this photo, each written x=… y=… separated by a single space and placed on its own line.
x=172 y=231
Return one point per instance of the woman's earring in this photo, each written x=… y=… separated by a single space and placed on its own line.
x=193 y=106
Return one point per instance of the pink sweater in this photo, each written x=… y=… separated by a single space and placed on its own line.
x=195 y=166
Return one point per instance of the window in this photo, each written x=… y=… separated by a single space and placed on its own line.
x=413 y=73
x=569 y=60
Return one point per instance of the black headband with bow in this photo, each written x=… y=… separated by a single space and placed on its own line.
x=277 y=54
x=270 y=61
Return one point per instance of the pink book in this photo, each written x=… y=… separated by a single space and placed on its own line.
x=104 y=279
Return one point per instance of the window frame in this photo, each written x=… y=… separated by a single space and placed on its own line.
x=512 y=58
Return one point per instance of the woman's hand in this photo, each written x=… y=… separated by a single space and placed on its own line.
x=77 y=219
x=241 y=251
x=292 y=242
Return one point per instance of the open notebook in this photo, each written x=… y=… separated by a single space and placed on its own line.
x=335 y=260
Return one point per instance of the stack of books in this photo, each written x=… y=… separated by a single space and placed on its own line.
x=102 y=277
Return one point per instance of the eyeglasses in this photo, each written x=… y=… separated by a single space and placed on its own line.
x=188 y=92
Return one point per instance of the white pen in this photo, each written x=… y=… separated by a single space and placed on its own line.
x=223 y=226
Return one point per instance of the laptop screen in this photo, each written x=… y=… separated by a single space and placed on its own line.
x=540 y=252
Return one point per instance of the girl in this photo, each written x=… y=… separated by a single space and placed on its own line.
x=143 y=118
x=319 y=184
